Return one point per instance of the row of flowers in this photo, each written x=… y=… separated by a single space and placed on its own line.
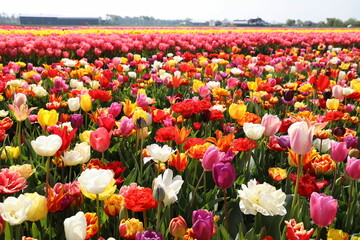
x=113 y=42
x=186 y=146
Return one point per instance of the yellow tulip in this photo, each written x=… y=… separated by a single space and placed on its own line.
x=12 y=152
x=197 y=84
x=24 y=170
x=38 y=209
x=336 y=234
x=253 y=86
x=332 y=104
x=85 y=102
x=85 y=136
x=237 y=111
x=355 y=84
x=129 y=107
x=48 y=118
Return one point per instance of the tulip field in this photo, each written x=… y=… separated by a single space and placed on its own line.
x=179 y=133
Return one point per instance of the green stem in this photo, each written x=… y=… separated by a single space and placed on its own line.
x=103 y=156
x=248 y=164
x=318 y=233
x=226 y=213
x=294 y=201
x=145 y=219
x=349 y=214
x=70 y=171
x=158 y=216
x=47 y=169
x=98 y=213
x=195 y=191
x=334 y=179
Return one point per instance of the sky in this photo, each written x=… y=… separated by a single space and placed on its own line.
x=269 y=10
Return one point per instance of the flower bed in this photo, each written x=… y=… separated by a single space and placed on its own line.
x=169 y=141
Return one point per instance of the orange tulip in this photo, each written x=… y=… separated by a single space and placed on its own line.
x=181 y=135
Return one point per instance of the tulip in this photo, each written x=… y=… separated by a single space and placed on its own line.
x=24 y=170
x=12 y=152
x=211 y=157
x=14 y=210
x=177 y=227
x=113 y=205
x=115 y=109
x=107 y=121
x=323 y=209
x=149 y=235
x=223 y=174
x=95 y=181
x=85 y=102
x=85 y=136
x=158 y=154
x=332 y=104
x=171 y=186
x=38 y=209
x=75 y=227
x=129 y=227
x=271 y=123
x=339 y=151
x=11 y=182
x=92 y=225
x=296 y=231
x=353 y=168
x=253 y=131
x=203 y=224
x=129 y=107
x=74 y=104
x=100 y=139
x=237 y=111
x=47 y=146
x=178 y=161
x=47 y=118
x=76 y=120
x=351 y=142
x=301 y=136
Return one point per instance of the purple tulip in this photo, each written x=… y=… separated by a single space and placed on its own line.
x=339 y=151
x=149 y=235
x=323 y=209
x=224 y=175
x=351 y=142
x=353 y=168
x=76 y=120
x=115 y=109
x=284 y=141
x=203 y=224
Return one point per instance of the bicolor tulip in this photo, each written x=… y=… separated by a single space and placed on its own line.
x=177 y=227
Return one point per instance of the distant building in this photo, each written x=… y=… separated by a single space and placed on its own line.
x=257 y=22
x=58 y=21
x=240 y=23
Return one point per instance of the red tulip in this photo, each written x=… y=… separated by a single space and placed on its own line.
x=100 y=139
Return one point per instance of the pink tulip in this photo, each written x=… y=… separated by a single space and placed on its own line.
x=211 y=156
x=353 y=168
x=301 y=136
x=339 y=151
x=100 y=139
x=271 y=123
x=323 y=209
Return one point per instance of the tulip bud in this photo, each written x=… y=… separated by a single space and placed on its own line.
x=177 y=227
x=159 y=193
x=354 y=153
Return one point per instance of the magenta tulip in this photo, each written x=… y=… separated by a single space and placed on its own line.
x=339 y=151
x=211 y=156
x=224 y=175
x=323 y=209
x=271 y=123
x=115 y=109
x=203 y=224
x=353 y=168
x=301 y=136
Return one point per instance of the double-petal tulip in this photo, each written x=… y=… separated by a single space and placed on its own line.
x=100 y=139
x=11 y=182
x=47 y=146
x=95 y=181
x=323 y=209
x=14 y=210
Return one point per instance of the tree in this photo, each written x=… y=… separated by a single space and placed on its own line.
x=290 y=22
